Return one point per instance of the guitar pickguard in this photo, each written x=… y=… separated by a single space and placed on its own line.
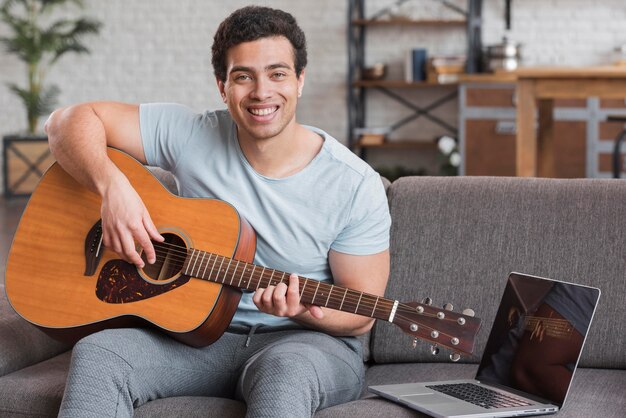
x=119 y=282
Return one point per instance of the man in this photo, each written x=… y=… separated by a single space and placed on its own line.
x=316 y=208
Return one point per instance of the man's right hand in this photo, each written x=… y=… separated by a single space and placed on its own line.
x=125 y=220
x=78 y=136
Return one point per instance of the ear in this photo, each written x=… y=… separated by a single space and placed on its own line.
x=222 y=88
x=301 y=83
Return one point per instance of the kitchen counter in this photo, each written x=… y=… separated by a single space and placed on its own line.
x=537 y=88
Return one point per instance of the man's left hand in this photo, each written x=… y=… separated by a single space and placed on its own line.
x=283 y=300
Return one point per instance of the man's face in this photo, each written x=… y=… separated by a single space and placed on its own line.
x=261 y=88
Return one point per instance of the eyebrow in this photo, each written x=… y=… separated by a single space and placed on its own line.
x=267 y=68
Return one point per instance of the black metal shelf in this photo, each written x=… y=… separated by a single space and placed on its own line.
x=357 y=88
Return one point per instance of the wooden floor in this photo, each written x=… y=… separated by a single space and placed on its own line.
x=10 y=212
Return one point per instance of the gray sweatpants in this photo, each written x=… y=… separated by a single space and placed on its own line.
x=277 y=374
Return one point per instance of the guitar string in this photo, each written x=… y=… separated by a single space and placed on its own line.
x=350 y=298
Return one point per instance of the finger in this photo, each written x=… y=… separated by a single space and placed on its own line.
x=256 y=297
x=293 y=291
x=279 y=300
x=152 y=229
x=316 y=312
x=129 y=251
x=144 y=241
x=266 y=298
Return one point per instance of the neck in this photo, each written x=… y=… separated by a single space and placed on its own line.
x=282 y=155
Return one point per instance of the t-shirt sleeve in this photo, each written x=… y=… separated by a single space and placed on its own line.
x=166 y=129
x=367 y=229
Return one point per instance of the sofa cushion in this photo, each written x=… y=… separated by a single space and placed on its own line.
x=190 y=407
x=36 y=390
x=456 y=240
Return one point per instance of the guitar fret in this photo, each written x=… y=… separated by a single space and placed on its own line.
x=193 y=254
x=219 y=269
x=282 y=277
x=374 y=310
x=328 y=297
x=306 y=281
x=186 y=263
x=232 y=276
x=315 y=294
x=200 y=266
x=242 y=273
x=343 y=298
x=213 y=267
x=251 y=277
x=207 y=265
x=271 y=275
x=230 y=260
x=358 y=302
x=260 y=278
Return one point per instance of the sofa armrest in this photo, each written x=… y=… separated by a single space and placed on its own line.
x=22 y=344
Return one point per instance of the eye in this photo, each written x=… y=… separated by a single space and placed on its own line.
x=279 y=75
x=242 y=77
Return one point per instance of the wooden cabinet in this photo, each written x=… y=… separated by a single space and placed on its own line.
x=487 y=120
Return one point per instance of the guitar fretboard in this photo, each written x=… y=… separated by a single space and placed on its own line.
x=230 y=272
x=553 y=327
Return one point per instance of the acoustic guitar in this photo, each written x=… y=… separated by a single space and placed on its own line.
x=62 y=279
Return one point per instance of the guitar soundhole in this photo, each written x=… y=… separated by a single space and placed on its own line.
x=170 y=257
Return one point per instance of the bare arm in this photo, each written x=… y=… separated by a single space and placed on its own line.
x=368 y=274
x=78 y=138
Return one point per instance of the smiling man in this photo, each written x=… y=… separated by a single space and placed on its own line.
x=317 y=210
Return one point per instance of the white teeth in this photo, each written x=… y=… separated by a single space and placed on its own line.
x=263 y=112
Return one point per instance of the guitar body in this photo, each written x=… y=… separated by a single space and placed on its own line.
x=61 y=278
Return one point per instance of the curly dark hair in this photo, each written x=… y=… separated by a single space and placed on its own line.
x=251 y=23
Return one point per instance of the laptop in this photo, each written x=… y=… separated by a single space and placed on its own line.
x=529 y=361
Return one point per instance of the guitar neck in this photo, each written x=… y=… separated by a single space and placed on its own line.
x=553 y=327
x=230 y=272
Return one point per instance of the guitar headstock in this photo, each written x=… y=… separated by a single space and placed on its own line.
x=441 y=326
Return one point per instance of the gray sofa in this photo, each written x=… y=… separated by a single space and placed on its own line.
x=454 y=240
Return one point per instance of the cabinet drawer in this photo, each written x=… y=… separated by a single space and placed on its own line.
x=605 y=163
x=488 y=152
x=613 y=103
x=610 y=130
x=490 y=97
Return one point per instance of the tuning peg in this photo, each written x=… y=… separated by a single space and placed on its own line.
x=414 y=343
x=448 y=307
x=434 y=350
x=455 y=357
x=468 y=312
x=427 y=301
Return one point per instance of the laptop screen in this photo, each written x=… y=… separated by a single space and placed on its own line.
x=538 y=335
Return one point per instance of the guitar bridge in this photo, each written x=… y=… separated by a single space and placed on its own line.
x=93 y=248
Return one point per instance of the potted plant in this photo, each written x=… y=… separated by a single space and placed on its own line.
x=39 y=46
x=40 y=33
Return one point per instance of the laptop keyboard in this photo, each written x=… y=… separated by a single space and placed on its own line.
x=479 y=395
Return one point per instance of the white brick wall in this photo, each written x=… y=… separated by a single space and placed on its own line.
x=158 y=50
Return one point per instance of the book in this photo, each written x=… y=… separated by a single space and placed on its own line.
x=415 y=65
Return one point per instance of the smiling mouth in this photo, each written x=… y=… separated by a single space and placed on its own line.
x=263 y=112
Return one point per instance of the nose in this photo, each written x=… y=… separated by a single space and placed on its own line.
x=262 y=89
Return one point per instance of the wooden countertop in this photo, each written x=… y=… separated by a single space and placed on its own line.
x=497 y=77
x=609 y=71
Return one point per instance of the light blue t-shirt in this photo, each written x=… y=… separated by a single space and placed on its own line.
x=336 y=202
